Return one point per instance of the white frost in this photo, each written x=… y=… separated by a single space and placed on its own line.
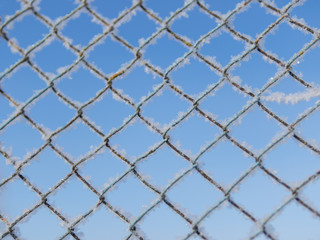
x=292 y=98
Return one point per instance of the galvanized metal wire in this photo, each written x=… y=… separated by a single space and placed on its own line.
x=225 y=23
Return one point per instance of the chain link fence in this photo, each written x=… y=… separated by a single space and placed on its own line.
x=196 y=230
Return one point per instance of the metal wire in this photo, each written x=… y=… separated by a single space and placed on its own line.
x=225 y=22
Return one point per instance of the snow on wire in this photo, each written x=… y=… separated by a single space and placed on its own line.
x=225 y=24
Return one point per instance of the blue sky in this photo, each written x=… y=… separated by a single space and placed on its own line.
x=258 y=194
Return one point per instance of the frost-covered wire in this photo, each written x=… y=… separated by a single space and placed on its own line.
x=109 y=29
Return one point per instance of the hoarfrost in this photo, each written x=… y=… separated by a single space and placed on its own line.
x=301 y=21
x=160 y=32
x=155 y=124
x=206 y=5
x=241 y=7
x=267 y=9
x=141 y=41
x=118 y=98
x=159 y=91
x=17 y=19
x=292 y=98
x=206 y=38
x=279 y=136
x=60 y=23
x=213 y=61
x=180 y=62
x=11 y=46
x=127 y=16
x=155 y=14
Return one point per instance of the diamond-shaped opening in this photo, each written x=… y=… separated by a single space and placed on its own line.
x=168 y=45
x=40 y=172
x=131 y=196
x=168 y=102
x=16 y=199
x=21 y=138
x=23 y=84
x=255 y=72
x=21 y=31
x=223 y=48
x=308 y=12
x=296 y=222
x=111 y=10
x=6 y=168
x=263 y=18
x=281 y=41
x=310 y=128
x=138 y=83
x=93 y=226
x=53 y=57
x=8 y=7
x=172 y=225
x=225 y=102
x=164 y=8
x=156 y=166
x=50 y=228
x=110 y=55
x=135 y=140
x=312 y=194
x=224 y=218
x=194 y=133
x=302 y=162
x=259 y=194
x=103 y=169
x=8 y=57
x=78 y=140
x=306 y=66
x=132 y=31
x=82 y=29
x=194 y=188
x=54 y=9
x=81 y=86
x=222 y=6
x=73 y=199
x=256 y=129
x=194 y=77
x=225 y=163
x=194 y=24
x=109 y=113
x=51 y=112
x=6 y=108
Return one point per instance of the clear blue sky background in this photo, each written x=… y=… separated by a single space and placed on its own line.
x=225 y=163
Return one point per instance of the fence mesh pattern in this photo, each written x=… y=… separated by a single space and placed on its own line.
x=134 y=227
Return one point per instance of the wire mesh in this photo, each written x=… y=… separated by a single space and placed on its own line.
x=225 y=23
